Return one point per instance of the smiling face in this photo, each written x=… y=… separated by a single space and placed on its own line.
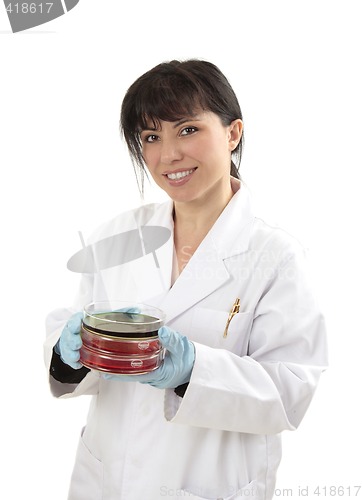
x=165 y=95
x=190 y=159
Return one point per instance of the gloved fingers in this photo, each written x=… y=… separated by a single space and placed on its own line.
x=171 y=340
x=129 y=310
x=75 y=365
x=68 y=355
x=70 y=339
x=72 y=359
x=135 y=310
x=70 y=342
x=74 y=323
x=71 y=356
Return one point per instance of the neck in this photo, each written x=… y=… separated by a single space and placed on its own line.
x=199 y=215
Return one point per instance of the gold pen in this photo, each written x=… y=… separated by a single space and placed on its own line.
x=234 y=310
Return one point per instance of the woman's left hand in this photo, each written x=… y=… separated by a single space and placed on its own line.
x=176 y=367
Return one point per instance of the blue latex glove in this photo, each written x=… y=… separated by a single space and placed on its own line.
x=70 y=341
x=176 y=368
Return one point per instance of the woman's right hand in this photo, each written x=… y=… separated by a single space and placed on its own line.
x=70 y=342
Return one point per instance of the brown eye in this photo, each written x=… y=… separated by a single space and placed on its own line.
x=151 y=138
x=188 y=130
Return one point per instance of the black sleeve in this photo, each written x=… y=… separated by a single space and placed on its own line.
x=64 y=373
x=181 y=389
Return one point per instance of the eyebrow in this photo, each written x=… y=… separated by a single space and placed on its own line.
x=184 y=120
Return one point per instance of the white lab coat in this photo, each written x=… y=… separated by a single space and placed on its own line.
x=222 y=439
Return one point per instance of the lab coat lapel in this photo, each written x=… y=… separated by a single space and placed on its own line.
x=204 y=273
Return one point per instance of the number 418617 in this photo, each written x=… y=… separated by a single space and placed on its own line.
x=29 y=8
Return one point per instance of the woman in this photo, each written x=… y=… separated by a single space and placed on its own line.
x=207 y=424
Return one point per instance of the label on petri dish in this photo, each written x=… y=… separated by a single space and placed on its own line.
x=143 y=345
x=136 y=363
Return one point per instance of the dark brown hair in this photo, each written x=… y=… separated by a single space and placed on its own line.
x=169 y=92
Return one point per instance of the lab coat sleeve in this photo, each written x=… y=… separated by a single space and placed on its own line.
x=269 y=389
x=55 y=323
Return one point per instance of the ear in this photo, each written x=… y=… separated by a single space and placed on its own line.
x=235 y=133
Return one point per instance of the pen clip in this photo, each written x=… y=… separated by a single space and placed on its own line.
x=234 y=310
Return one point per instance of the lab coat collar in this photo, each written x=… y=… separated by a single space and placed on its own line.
x=231 y=232
x=206 y=270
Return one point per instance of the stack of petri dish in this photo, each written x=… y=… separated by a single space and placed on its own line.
x=121 y=338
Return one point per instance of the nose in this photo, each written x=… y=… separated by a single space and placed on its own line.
x=170 y=151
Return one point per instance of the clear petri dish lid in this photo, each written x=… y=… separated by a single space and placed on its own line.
x=120 y=318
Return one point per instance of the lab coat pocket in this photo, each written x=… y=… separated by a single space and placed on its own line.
x=87 y=477
x=248 y=491
x=208 y=327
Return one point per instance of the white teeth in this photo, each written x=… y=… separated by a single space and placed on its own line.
x=179 y=175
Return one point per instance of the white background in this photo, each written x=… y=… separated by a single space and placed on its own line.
x=296 y=68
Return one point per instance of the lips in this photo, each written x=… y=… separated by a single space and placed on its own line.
x=181 y=174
